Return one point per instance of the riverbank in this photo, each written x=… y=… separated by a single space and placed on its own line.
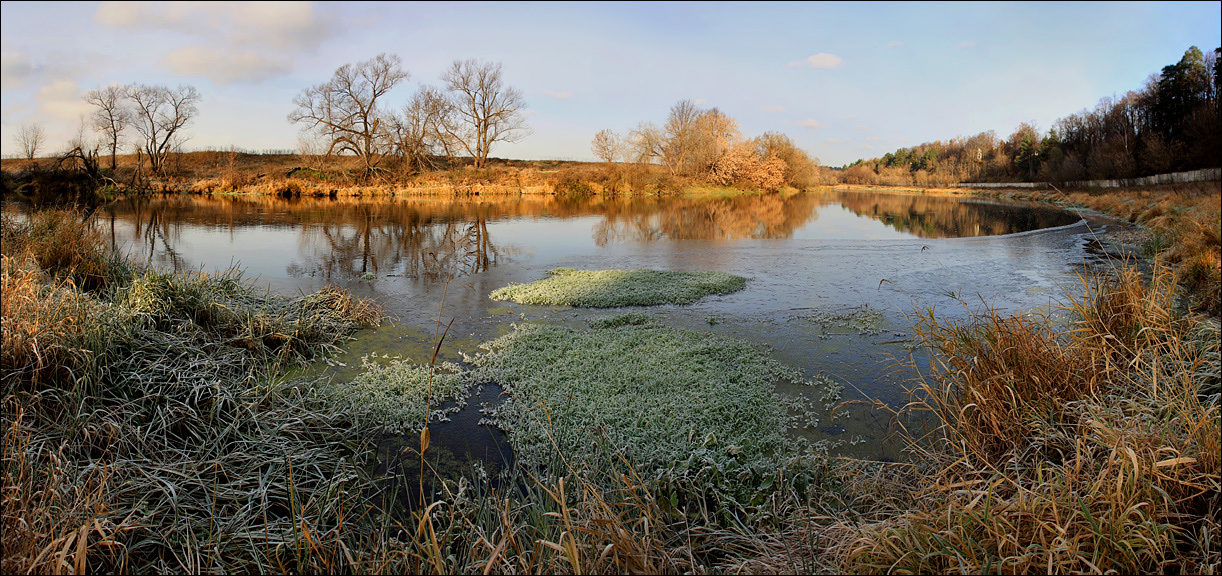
x=1114 y=423
x=292 y=175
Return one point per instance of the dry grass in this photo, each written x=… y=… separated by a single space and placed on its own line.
x=147 y=428
x=1093 y=450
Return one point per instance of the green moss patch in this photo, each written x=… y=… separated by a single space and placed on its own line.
x=664 y=399
x=614 y=288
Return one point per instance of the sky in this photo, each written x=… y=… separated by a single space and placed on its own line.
x=843 y=80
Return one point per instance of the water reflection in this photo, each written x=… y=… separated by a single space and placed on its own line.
x=946 y=217
x=434 y=238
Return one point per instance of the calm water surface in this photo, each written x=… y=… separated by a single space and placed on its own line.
x=808 y=256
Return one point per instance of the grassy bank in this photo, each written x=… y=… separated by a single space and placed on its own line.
x=1184 y=223
x=294 y=175
x=148 y=427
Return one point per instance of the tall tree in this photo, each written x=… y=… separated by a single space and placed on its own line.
x=159 y=115
x=111 y=115
x=488 y=111
x=344 y=110
x=680 y=133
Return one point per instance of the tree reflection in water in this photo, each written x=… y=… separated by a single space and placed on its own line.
x=434 y=238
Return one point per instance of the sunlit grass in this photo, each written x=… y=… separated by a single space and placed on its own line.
x=1092 y=450
x=615 y=288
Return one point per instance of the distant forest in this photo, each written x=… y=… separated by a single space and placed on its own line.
x=1170 y=124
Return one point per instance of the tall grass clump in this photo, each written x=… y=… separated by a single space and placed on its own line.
x=615 y=288
x=1094 y=449
x=146 y=428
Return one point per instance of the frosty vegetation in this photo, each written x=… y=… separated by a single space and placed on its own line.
x=629 y=388
x=614 y=288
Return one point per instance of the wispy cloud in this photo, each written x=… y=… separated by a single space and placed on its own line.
x=820 y=60
x=966 y=44
x=894 y=44
x=15 y=69
x=279 y=25
x=224 y=67
x=848 y=117
x=874 y=138
x=560 y=95
x=236 y=42
x=835 y=140
x=809 y=123
x=865 y=147
x=62 y=98
x=861 y=128
x=772 y=109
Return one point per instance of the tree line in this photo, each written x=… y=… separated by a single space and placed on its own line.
x=1172 y=123
x=471 y=111
x=706 y=145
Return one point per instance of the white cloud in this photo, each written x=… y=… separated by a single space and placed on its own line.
x=772 y=109
x=278 y=25
x=874 y=138
x=560 y=95
x=865 y=147
x=808 y=123
x=967 y=44
x=62 y=98
x=861 y=128
x=835 y=140
x=237 y=42
x=820 y=60
x=848 y=117
x=15 y=70
x=224 y=67
x=894 y=44
x=699 y=101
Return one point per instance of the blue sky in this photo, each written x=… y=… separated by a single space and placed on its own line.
x=844 y=80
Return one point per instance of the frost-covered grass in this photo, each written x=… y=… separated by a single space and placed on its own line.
x=669 y=399
x=863 y=320
x=395 y=395
x=614 y=288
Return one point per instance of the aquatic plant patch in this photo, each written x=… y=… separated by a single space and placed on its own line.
x=614 y=288
x=863 y=321
x=395 y=395
x=663 y=398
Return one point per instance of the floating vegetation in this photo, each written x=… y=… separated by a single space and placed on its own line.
x=395 y=395
x=614 y=288
x=862 y=320
x=664 y=399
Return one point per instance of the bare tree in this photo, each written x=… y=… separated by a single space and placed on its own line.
x=160 y=113
x=607 y=146
x=31 y=137
x=647 y=143
x=424 y=128
x=344 y=110
x=82 y=153
x=681 y=135
x=111 y=117
x=487 y=110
